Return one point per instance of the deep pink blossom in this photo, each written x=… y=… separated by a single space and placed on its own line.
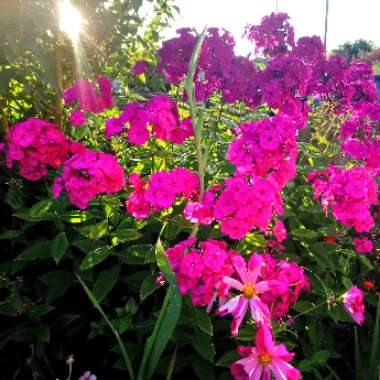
x=353 y=302
x=363 y=245
x=36 y=145
x=77 y=118
x=140 y=67
x=264 y=359
x=87 y=174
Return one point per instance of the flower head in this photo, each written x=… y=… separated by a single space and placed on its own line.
x=353 y=302
x=266 y=358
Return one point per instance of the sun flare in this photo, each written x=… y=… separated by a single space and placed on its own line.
x=70 y=20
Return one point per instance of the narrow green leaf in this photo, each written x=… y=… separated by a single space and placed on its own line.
x=96 y=304
x=166 y=320
x=373 y=359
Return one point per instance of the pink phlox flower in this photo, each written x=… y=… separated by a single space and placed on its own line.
x=353 y=302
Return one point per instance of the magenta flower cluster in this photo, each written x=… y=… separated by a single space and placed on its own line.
x=36 y=145
x=266 y=148
x=200 y=269
x=350 y=193
x=160 y=191
x=88 y=173
x=89 y=98
x=158 y=117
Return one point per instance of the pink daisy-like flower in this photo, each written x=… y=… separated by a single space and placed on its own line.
x=250 y=289
x=266 y=358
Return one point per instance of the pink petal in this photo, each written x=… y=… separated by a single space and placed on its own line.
x=241 y=268
x=233 y=283
x=254 y=267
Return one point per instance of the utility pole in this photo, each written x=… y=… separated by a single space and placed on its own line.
x=326 y=23
x=276 y=6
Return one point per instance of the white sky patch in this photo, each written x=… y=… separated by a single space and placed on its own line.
x=349 y=20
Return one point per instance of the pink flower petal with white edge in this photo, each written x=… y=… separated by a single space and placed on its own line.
x=259 y=311
x=232 y=283
x=238 y=321
x=229 y=306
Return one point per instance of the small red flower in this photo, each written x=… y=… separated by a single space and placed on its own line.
x=329 y=239
x=369 y=285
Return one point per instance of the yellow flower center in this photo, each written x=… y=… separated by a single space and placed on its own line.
x=265 y=359
x=249 y=290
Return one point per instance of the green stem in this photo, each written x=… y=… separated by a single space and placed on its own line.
x=196 y=119
x=124 y=353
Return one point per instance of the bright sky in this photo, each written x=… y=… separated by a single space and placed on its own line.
x=348 y=19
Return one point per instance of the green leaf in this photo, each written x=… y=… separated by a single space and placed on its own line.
x=304 y=233
x=11 y=234
x=203 y=369
x=105 y=282
x=40 y=209
x=148 y=286
x=227 y=359
x=58 y=282
x=59 y=246
x=95 y=231
x=166 y=320
x=123 y=235
x=204 y=346
x=39 y=250
x=319 y=358
x=95 y=257
x=203 y=321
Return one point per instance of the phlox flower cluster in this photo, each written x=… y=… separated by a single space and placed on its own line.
x=266 y=148
x=353 y=302
x=158 y=117
x=359 y=139
x=264 y=359
x=274 y=35
x=219 y=69
x=36 y=145
x=346 y=85
x=350 y=193
x=140 y=67
x=292 y=71
x=200 y=268
x=160 y=191
x=208 y=272
x=89 y=98
x=363 y=245
x=88 y=173
x=246 y=203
